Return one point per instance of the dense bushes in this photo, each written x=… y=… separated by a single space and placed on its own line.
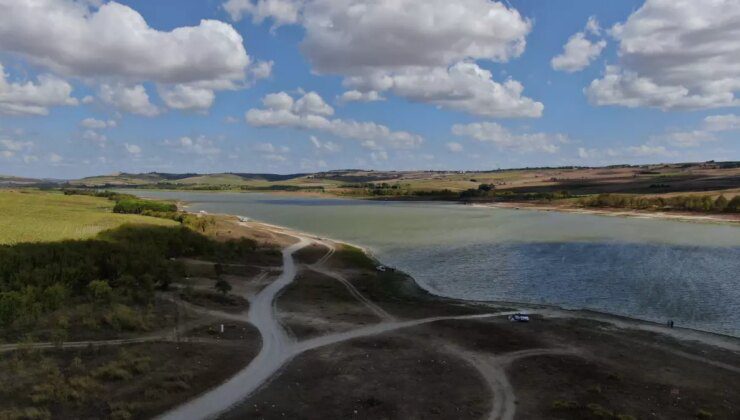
x=139 y=206
x=692 y=203
x=121 y=266
x=130 y=204
x=488 y=191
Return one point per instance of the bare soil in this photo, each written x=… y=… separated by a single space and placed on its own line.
x=385 y=377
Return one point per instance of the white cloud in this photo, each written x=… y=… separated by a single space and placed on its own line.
x=74 y=39
x=675 y=54
x=711 y=125
x=423 y=50
x=95 y=124
x=29 y=98
x=112 y=42
x=592 y=26
x=186 y=97
x=647 y=150
x=357 y=96
x=327 y=146
x=280 y=11
x=15 y=145
x=95 y=137
x=131 y=99
x=464 y=86
x=197 y=146
x=270 y=148
x=261 y=70
x=580 y=51
x=30 y=159
x=610 y=155
x=310 y=112
x=312 y=104
x=495 y=133
x=726 y=122
x=454 y=147
x=55 y=158
x=132 y=149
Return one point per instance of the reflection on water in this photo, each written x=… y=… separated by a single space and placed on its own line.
x=649 y=269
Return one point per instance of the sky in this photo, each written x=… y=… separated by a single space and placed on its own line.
x=90 y=87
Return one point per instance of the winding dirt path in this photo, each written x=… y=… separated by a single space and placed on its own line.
x=275 y=351
x=278 y=348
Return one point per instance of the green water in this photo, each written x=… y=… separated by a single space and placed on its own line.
x=644 y=268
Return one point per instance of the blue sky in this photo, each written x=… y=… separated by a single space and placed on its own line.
x=93 y=87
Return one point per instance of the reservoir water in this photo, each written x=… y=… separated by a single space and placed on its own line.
x=644 y=268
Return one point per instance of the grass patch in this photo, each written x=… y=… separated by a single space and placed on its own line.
x=36 y=216
x=353 y=257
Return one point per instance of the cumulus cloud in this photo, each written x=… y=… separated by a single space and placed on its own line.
x=357 y=96
x=674 y=54
x=131 y=99
x=464 y=86
x=186 y=97
x=10 y=148
x=97 y=40
x=311 y=112
x=95 y=124
x=711 y=125
x=33 y=98
x=454 y=147
x=612 y=155
x=200 y=145
x=490 y=132
x=327 y=146
x=580 y=51
x=282 y=12
x=132 y=149
x=261 y=70
x=725 y=122
x=423 y=50
x=55 y=158
x=95 y=137
x=270 y=148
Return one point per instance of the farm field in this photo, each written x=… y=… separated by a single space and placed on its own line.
x=36 y=216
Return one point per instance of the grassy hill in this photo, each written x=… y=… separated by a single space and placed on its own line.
x=35 y=216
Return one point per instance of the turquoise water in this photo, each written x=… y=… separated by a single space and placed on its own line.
x=644 y=268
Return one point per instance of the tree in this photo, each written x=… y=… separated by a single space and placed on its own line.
x=720 y=204
x=734 y=205
x=101 y=291
x=223 y=286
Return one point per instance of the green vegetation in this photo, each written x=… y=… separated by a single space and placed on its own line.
x=130 y=204
x=489 y=192
x=353 y=257
x=88 y=282
x=691 y=203
x=35 y=216
x=98 y=282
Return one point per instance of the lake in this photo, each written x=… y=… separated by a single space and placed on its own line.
x=644 y=268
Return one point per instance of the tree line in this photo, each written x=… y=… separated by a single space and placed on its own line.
x=123 y=266
x=691 y=203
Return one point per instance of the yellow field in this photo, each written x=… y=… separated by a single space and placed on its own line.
x=34 y=216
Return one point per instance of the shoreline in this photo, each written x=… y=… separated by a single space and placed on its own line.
x=711 y=218
x=554 y=310
x=614 y=212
